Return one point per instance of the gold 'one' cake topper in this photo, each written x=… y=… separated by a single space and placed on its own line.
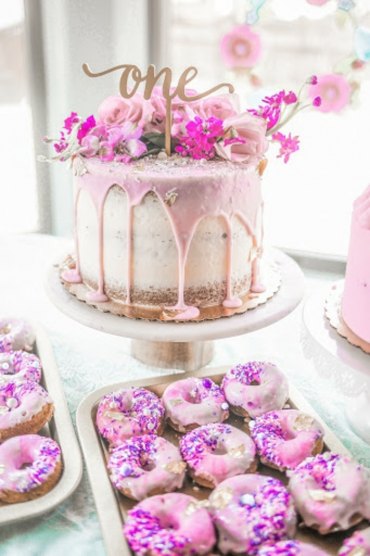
x=131 y=73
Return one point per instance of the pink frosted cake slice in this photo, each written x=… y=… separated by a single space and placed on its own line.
x=356 y=296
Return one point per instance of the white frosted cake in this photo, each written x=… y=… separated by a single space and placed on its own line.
x=174 y=236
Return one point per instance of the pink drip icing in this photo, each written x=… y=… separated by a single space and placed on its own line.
x=98 y=296
x=72 y=276
x=256 y=285
x=230 y=302
x=224 y=198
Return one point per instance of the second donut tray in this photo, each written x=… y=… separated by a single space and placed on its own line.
x=112 y=506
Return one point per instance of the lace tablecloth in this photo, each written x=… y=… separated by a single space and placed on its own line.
x=88 y=359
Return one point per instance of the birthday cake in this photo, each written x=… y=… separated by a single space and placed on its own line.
x=168 y=205
x=356 y=294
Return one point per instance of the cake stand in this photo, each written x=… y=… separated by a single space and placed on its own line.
x=187 y=346
x=358 y=406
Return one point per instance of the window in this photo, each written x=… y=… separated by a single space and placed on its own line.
x=308 y=201
x=18 y=209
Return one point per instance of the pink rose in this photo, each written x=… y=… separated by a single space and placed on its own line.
x=183 y=112
x=241 y=47
x=252 y=131
x=334 y=91
x=158 y=115
x=220 y=107
x=117 y=110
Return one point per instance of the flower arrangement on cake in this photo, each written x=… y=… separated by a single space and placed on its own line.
x=168 y=203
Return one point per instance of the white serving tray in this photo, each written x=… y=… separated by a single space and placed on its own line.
x=61 y=429
x=112 y=507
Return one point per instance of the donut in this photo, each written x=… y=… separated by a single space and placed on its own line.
x=30 y=466
x=25 y=407
x=255 y=388
x=169 y=524
x=285 y=438
x=19 y=366
x=357 y=544
x=145 y=465
x=291 y=548
x=15 y=334
x=216 y=452
x=331 y=492
x=250 y=510
x=129 y=412
x=193 y=402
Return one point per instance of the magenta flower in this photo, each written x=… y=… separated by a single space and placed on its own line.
x=334 y=91
x=288 y=145
x=270 y=110
x=121 y=143
x=200 y=139
x=316 y=102
x=312 y=80
x=241 y=47
x=85 y=127
x=71 y=121
x=290 y=98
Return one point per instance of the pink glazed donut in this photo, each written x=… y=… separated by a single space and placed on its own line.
x=216 y=452
x=145 y=465
x=171 y=524
x=30 y=466
x=129 y=412
x=331 y=492
x=291 y=548
x=255 y=388
x=357 y=544
x=251 y=510
x=285 y=438
x=15 y=334
x=25 y=407
x=192 y=402
x=19 y=366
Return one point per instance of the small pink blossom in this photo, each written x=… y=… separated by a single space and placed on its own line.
x=312 y=80
x=251 y=143
x=241 y=47
x=85 y=128
x=316 y=102
x=317 y=2
x=200 y=139
x=334 y=91
x=288 y=145
x=90 y=145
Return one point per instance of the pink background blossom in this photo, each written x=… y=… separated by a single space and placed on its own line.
x=334 y=91
x=241 y=47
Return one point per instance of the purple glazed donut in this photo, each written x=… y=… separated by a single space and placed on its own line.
x=25 y=407
x=330 y=492
x=357 y=544
x=129 y=412
x=285 y=438
x=145 y=465
x=193 y=402
x=255 y=388
x=250 y=510
x=216 y=452
x=15 y=334
x=169 y=524
x=291 y=548
x=30 y=465
x=19 y=366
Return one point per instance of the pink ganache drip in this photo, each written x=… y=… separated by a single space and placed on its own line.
x=224 y=189
x=356 y=295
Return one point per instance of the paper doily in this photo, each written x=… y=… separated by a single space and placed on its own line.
x=271 y=277
x=333 y=312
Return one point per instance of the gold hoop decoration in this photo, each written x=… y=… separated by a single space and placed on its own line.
x=150 y=79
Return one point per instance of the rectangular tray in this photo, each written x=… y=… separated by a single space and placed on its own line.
x=112 y=507
x=60 y=429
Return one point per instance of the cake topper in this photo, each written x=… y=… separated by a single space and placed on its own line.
x=150 y=79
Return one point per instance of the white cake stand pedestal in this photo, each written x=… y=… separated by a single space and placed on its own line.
x=187 y=346
x=358 y=406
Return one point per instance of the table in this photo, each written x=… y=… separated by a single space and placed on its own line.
x=87 y=359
